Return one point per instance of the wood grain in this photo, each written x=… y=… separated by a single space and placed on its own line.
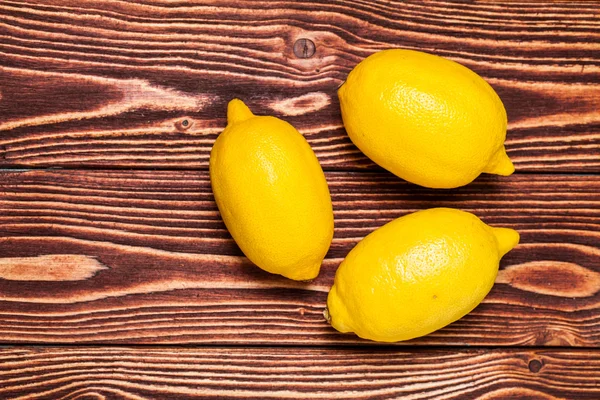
x=54 y=267
x=109 y=84
x=181 y=373
x=165 y=270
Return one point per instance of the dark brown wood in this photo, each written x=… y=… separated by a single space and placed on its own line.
x=221 y=373
x=143 y=257
x=96 y=83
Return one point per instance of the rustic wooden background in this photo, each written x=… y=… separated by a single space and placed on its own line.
x=118 y=278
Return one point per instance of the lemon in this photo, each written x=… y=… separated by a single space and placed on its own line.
x=416 y=274
x=272 y=193
x=426 y=119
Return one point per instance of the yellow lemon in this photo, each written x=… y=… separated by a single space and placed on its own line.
x=272 y=193
x=426 y=119
x=416 y=274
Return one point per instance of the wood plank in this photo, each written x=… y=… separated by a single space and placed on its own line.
x=295 y=373
x=97 y=83
x=143 y=257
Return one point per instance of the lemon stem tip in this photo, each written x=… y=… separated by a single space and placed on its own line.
x=500 y=164
x=326 y=315
x=237 y=111
x=507 y=239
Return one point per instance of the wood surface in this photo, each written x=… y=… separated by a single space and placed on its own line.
x=223 y=373
x=109 y=235
x=97 y=83
x=143 y=257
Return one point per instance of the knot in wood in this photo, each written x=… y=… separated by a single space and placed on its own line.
x=304 y=48
x=535 y=366
x=183 y=125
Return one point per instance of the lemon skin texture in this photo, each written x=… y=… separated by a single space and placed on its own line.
x=272 y=193
x=416 y=274
x=426 y=119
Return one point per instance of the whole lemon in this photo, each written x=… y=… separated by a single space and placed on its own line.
x=426 y=119
x=416 y=274
x=272 y=193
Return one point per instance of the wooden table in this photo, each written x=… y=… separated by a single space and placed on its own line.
x=118 y=278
